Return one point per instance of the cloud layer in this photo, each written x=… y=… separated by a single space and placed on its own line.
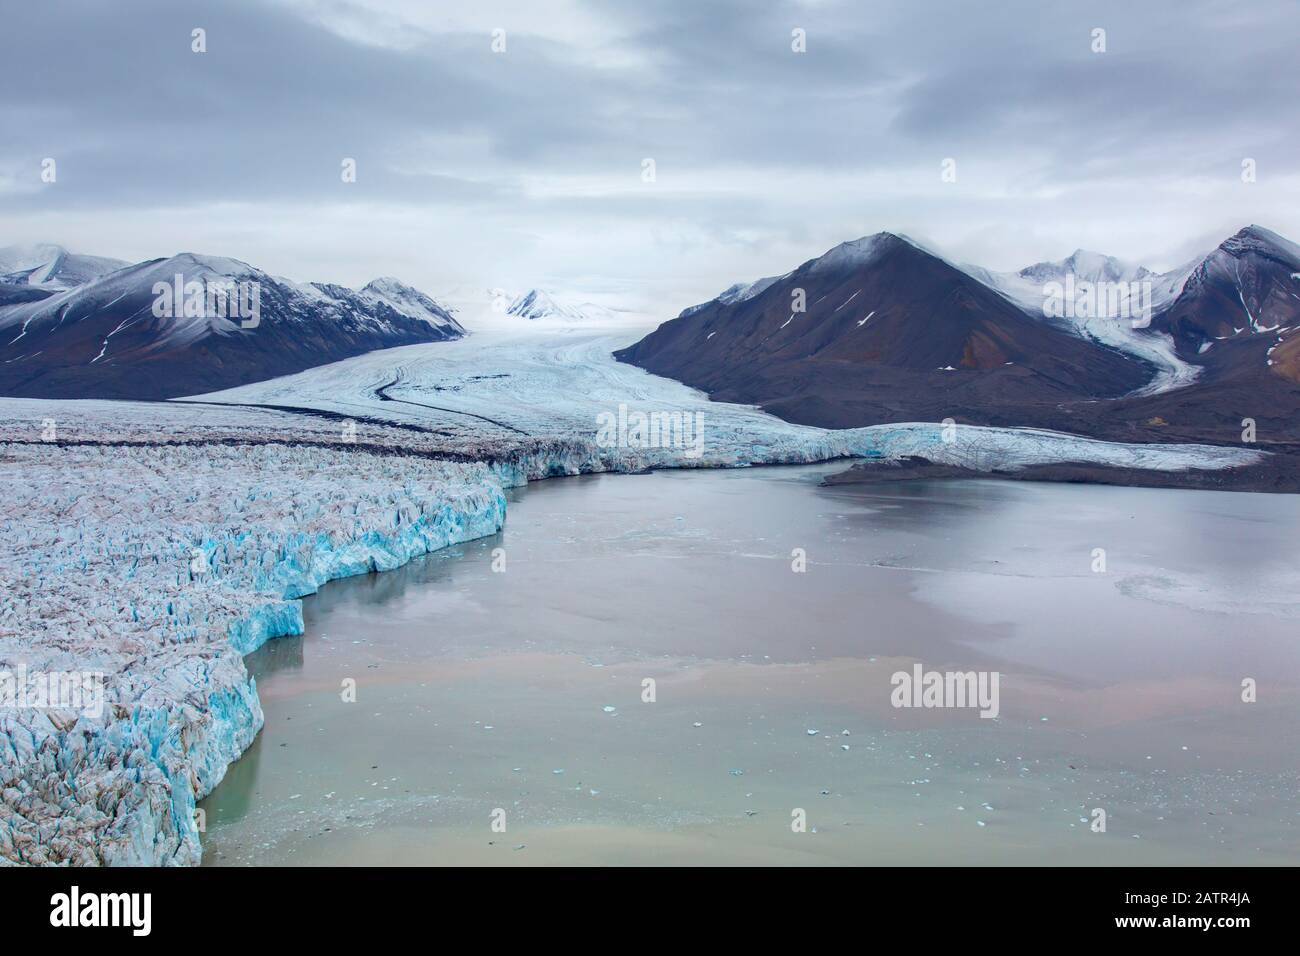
x=525 y=166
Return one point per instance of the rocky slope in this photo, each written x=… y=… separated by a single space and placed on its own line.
x=888 y=332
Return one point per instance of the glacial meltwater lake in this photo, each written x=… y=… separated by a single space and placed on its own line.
x=516 y=696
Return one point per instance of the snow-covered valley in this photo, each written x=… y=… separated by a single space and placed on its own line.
x=555 y=384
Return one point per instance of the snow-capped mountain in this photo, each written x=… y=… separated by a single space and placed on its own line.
x=1102 y=298
x=1083 y=264
x=1026 y=286
x=495 y=307
x=195 y=323
x=52 y=267
x=892 y=331
x=390 y=292
x=539 y=304
x=1244 y=285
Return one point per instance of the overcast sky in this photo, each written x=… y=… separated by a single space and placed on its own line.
x=525 y=167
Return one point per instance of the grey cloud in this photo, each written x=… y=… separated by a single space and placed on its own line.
x=784 y=154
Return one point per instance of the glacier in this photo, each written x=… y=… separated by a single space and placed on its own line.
x=553 y=385
x=158 y=543
x=159 y=568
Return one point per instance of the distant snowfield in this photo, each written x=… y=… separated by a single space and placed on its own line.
x=156 y=543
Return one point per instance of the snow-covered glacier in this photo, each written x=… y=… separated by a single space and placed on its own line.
x=556 y=384
x=157 y=543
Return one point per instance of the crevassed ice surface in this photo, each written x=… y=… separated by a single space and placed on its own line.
x=157 y=568
x=559 y=382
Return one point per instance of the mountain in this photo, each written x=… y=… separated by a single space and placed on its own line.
x=739 y=292
x=889 y=332
x=1220 y=332
x=496 y=308
x=1233 y=314
x=540 y=304
x=536 y=304
x=1090 y=344
x=1026 y=286
x=1227 y=292
x=127 y=334
x=1110 y=323
x=52 y=267
x=1084 y=264
x=1249 y=285
x=396 y=295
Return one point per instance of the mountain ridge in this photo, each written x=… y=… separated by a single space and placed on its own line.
x=139 y=332
x=1009 y=360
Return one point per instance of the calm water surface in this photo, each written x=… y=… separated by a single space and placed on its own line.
x=521 y=690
